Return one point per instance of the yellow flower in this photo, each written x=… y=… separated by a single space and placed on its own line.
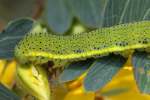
x=7 y=73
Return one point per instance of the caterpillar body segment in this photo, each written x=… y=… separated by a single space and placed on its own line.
x=43 y=47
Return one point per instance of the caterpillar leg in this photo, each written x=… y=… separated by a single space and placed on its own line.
x=60 y=63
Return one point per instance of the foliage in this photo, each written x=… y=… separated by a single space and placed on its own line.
x=141 y=65
x=11 y=35
x=6 y=94
x=95 y=13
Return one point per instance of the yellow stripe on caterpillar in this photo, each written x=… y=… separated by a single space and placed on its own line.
x=85 y=54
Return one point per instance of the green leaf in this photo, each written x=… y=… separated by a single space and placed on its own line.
x=6 y=94
x=102 y=71
x=74 y=70
x=89 y=12
x=11 y=35
x=141 y=63
x=124 y=11
x=95 y=13
x=58 y=15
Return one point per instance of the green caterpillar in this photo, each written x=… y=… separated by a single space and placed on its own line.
x=43 y=47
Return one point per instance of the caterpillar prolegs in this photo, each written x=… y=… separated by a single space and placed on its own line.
x=43 y=47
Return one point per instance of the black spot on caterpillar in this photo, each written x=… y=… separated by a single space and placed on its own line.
x=43 y=47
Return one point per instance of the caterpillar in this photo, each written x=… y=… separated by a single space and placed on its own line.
x=43 y=47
